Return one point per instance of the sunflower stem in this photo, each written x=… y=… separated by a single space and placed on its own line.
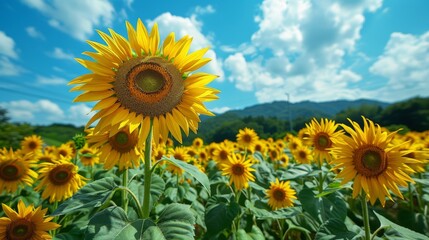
x=411 y=198
x=147 y=171
x=124 y=192
x=55 y=220
x=365 y=216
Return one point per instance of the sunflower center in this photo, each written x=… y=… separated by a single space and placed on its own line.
x=223 y=155
x=370 y=160
x=279 y=195
x=323 y=141
x=302 y=154
x=10 y=172
x=20 y=229
x=238 y=169
x=179 y=156
x=63 y=153
x=149 y=81
x=123 y=141
x=32 y=145
x=61 y=174
x=258 y=147
x=247 y=138
x=150 y=86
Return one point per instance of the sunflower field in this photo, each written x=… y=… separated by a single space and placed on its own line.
x=129 y=177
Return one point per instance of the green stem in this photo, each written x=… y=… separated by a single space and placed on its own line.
x=411 y=198
x=147 y=171
x=419 y=191
x=124 y=192
x=365 y=216
x=305 y=231
x=55 y=220
x=320 y=177
x=375 y=232
x=136 y=200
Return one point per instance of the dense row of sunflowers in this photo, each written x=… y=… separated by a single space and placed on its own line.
x=125 y=179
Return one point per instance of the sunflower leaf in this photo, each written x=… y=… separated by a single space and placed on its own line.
x=190 y=169
x=405 y=232
x=90 y=196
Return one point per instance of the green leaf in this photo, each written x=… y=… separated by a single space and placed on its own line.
x=262 y=213
x=89 y=197
x=139 y=230
x=192 y=170
x=298 y=171
x=156 y=189
x=334 y=229
x=106 y=224
x=177 y=222
x=255 y=234
x=326 y=207
x=220 y=216
x=405 y=232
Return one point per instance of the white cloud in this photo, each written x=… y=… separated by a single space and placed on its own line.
x=182 y=26
x=77 y=18
x=299 y=48
x=34 y=33
x=26 y=111
x=7 y=46
x=220 y=110
x=53 y=80
x=8 y=68
x=60 y=54
x=404 y=63
x=204 y=10
x=45 y=112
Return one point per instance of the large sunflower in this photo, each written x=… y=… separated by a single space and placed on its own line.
x=59 y=180
x=118 y=147
x=369 y=158
x=280 y=195
x=15 y=170
x=26 y=224
x=135 y=81
x=239 y=171
x=320 y=136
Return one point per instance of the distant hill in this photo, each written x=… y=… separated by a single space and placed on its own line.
x=303 y=109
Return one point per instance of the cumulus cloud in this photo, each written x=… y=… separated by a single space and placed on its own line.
x=8 y=68
x=77 y=18
x=34 y=33
x=299 y=48
x=220 y=110
x=191 y=26
x=44 y=112
x=8 y=52
x=60 y=54
x=404 y=63
x=53 y=80
x=7 y=46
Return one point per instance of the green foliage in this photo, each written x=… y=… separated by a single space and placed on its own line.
x=59 y=133
x=11 y=134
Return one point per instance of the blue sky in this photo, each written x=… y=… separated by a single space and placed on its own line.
x=312 y=50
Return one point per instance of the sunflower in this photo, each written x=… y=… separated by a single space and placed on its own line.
x=260 y=146
x=303 y=155
x=369 y=158
x=15 y=170
x=32 y=143
x=284 y=160
x=178 y=153
x=137 y=82
x=26 y=224
x=294 y=143
x=239 y=171
x=65 y=150
x=117 y=147
x=47 y=157
x=247 y=137
x=197 y=143
x=60 y=180
x=89 y=156
x=222 y=152
x=280 y=195
x=320 y=136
